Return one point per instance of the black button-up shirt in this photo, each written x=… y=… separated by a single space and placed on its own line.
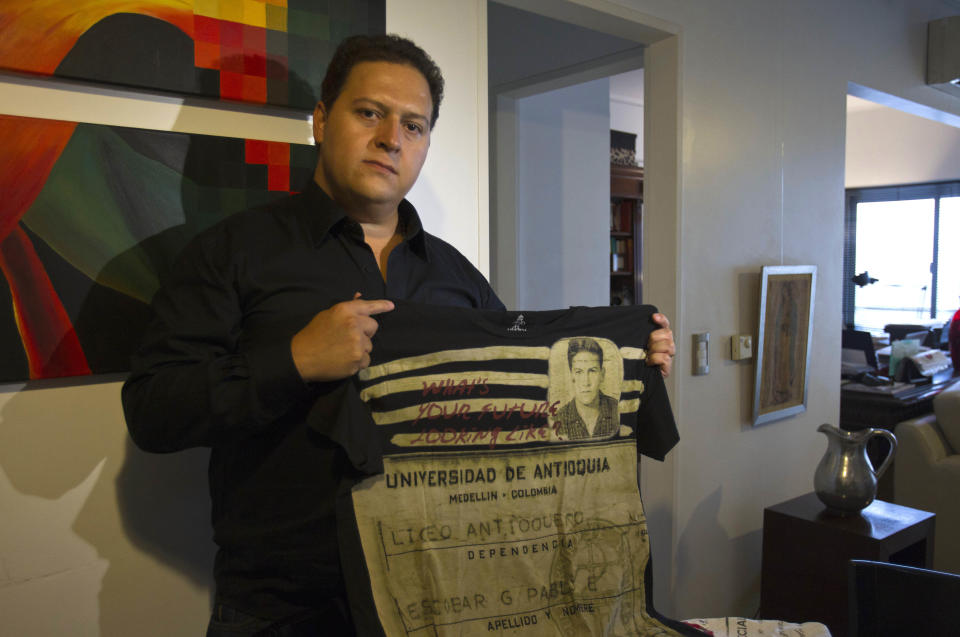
x=215 y=369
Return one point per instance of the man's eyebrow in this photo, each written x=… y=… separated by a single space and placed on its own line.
x=360 y=101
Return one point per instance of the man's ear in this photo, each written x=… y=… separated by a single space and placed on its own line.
x=319 y=122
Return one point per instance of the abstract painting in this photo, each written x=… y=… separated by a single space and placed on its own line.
x=259 y=51
x=90 y=218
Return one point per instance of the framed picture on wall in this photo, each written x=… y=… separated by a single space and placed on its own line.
x=783 y=342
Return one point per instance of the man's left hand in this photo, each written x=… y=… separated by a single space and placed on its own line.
x=660 y=346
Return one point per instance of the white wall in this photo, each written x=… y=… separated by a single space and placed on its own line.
x=98 y=538
x=451 y=193
x=888 y=147
x=563 y=194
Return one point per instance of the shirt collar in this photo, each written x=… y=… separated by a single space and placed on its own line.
x=412 y=229
x=324 y=215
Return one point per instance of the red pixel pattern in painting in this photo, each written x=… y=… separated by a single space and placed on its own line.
x=239 y=52
x=276 y=157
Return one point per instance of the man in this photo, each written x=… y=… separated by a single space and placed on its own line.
x=590 y=413
x=266 y=314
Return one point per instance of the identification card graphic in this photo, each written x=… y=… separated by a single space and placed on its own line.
x=550 y=542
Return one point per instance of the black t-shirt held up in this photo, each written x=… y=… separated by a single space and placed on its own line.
x=476 y=508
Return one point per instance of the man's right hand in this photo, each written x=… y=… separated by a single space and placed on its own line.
x=336 y=343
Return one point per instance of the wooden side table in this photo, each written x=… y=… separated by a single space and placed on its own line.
x=806 y=550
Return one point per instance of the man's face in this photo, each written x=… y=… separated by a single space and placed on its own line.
x=374 y=139
x=587 y=372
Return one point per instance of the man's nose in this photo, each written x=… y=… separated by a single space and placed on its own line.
x=388 y=134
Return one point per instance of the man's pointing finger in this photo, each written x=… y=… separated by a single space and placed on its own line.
x=372 y=308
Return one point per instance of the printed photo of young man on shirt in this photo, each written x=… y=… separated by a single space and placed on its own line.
x=590 y=413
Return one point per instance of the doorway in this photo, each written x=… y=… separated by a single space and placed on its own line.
x=550 y=160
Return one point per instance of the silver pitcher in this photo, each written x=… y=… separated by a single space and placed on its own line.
x=845 y=479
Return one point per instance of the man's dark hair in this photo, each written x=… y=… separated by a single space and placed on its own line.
x=577 y=345
x=380 y=48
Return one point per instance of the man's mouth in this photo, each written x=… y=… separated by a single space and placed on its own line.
x=381 y=165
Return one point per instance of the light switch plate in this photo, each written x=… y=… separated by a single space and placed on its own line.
x=701 y=354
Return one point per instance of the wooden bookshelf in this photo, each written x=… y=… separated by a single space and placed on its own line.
x=626 y=235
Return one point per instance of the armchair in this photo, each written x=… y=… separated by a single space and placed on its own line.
x=927 y=473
